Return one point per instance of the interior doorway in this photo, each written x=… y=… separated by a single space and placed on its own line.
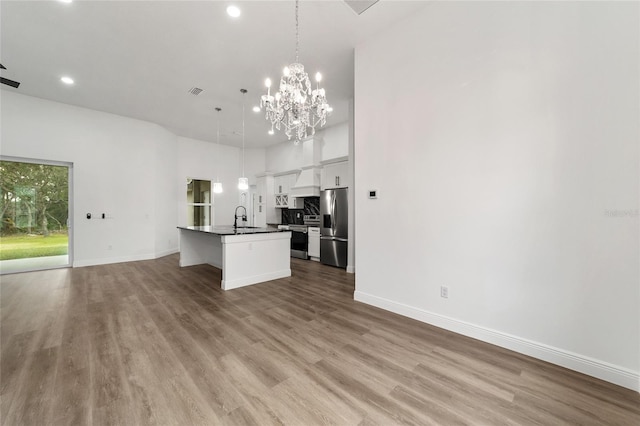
x=35 y=226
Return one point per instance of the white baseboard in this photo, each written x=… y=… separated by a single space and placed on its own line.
x=164 y=253
x=255 y=279
x=109 y=260
x=351 y=269
x=602 y=370
x=121 y=259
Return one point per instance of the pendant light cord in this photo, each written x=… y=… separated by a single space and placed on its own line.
x=244 y=91
x=218 y=143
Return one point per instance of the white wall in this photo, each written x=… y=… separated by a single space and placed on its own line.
x=205 y=160
x=506 y=136
x=255 y=162
x=286 y=156
x=114 y=160
x=133 y=171
x=167 y=195
x=335 y=142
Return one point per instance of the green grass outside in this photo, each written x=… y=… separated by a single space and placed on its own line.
x=24 y=246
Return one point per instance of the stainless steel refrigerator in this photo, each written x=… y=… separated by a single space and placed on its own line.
x=334 y=227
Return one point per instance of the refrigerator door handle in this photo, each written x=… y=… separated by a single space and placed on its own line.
x=333 y=213
x=344 y=240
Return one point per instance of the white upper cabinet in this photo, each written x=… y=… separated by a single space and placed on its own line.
x=284 y=183
x=295 y=202
x=335 y=175
x=282 y=187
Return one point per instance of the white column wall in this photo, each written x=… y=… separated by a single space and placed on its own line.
x=502 y=138
x=335 y=141
x=166 y=197
x=284 y=157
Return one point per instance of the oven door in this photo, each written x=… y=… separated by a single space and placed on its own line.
x=299 y=244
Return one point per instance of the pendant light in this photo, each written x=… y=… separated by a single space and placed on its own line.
x=217 y=185
x=243 y=182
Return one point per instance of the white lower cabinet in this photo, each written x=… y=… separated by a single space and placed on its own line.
x=314 y=243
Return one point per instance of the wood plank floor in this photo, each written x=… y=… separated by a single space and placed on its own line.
x=150 y=343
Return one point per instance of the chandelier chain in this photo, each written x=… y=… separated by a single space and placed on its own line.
x=297 y=34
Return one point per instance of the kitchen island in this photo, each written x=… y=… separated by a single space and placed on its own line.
x=245 y=255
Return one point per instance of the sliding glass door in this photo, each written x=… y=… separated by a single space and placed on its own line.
x=35 y=222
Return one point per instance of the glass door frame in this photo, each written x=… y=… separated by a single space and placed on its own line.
x=210 y=204
x=70 y=221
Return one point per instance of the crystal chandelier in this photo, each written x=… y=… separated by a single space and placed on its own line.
x=296 y=107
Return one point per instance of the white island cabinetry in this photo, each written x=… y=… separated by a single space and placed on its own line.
x=246 y=256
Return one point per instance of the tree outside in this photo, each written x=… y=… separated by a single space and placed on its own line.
x=35 y=207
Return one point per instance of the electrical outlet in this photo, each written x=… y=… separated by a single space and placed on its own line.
x=109 y=247
x=444 y=292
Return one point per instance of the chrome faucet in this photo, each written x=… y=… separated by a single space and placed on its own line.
x=235 y=216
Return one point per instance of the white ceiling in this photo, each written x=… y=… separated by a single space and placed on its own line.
x=140 y=58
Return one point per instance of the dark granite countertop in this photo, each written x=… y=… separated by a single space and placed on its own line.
x=230 y=230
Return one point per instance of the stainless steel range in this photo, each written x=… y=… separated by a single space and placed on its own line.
x=300 y=235
x=299 y=241
x=311 y=219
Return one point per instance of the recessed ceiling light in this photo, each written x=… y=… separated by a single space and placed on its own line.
x=270 y=132
x=66 y=80
x=65 y=1
x=256 y=109
x=233 y=11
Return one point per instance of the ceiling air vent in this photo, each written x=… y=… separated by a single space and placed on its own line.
x=360 y=6
x=195 y=91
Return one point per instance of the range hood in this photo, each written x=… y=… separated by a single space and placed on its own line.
x=307 y=184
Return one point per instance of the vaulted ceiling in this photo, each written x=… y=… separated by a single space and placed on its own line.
x=140 y=58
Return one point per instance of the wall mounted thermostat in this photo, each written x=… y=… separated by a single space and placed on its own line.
x=373 y=194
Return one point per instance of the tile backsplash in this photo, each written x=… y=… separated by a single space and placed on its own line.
x=312 y=205
x=295 y=216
